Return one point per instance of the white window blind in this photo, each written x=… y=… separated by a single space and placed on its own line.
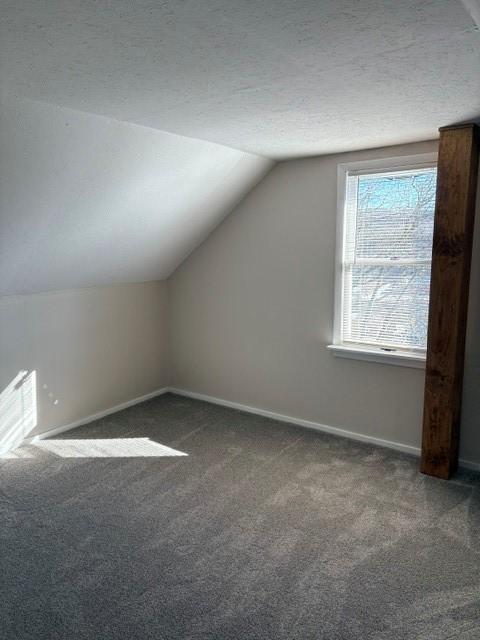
x=387 y=247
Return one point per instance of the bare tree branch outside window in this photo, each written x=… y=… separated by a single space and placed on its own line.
x=387 y=270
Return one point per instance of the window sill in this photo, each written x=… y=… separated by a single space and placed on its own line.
x=371 y=354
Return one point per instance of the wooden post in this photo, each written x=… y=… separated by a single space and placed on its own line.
x=451 y=258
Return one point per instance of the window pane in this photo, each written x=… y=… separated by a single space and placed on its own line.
x=395 y=216
x=387 y=255
x=389 y=305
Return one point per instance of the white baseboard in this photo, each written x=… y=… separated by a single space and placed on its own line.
x=317 y=426
x=308 y=424
x=469 y=465
x=95 y=416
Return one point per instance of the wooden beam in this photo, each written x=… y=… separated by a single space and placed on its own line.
x=451 y=258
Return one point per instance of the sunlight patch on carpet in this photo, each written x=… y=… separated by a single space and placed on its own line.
x=108 y=448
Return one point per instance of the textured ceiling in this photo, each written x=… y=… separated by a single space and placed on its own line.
x=279 y=78
x=86 y=200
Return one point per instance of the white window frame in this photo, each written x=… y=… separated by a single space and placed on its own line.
x=401 y=357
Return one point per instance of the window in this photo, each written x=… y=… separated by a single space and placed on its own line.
x=384 y=260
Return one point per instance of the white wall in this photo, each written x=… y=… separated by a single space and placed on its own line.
x=251 y=311
x=91 y=349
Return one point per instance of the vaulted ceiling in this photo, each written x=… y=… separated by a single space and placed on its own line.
x=130 y=128
x=278 y=78
x=86 y=200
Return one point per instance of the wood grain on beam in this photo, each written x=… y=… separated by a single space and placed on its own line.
x=451 y=258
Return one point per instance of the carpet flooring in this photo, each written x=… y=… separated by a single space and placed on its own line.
x=261 y=530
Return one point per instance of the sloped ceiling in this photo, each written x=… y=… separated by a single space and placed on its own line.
x=279 y=78
x=86 y=200
x=89 y=195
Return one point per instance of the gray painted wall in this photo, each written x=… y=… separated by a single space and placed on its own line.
x=251 y=311
x=91 y=349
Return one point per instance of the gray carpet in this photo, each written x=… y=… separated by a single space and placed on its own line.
x=264 y=530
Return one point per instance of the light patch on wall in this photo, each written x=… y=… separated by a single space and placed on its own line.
x=18 y=409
